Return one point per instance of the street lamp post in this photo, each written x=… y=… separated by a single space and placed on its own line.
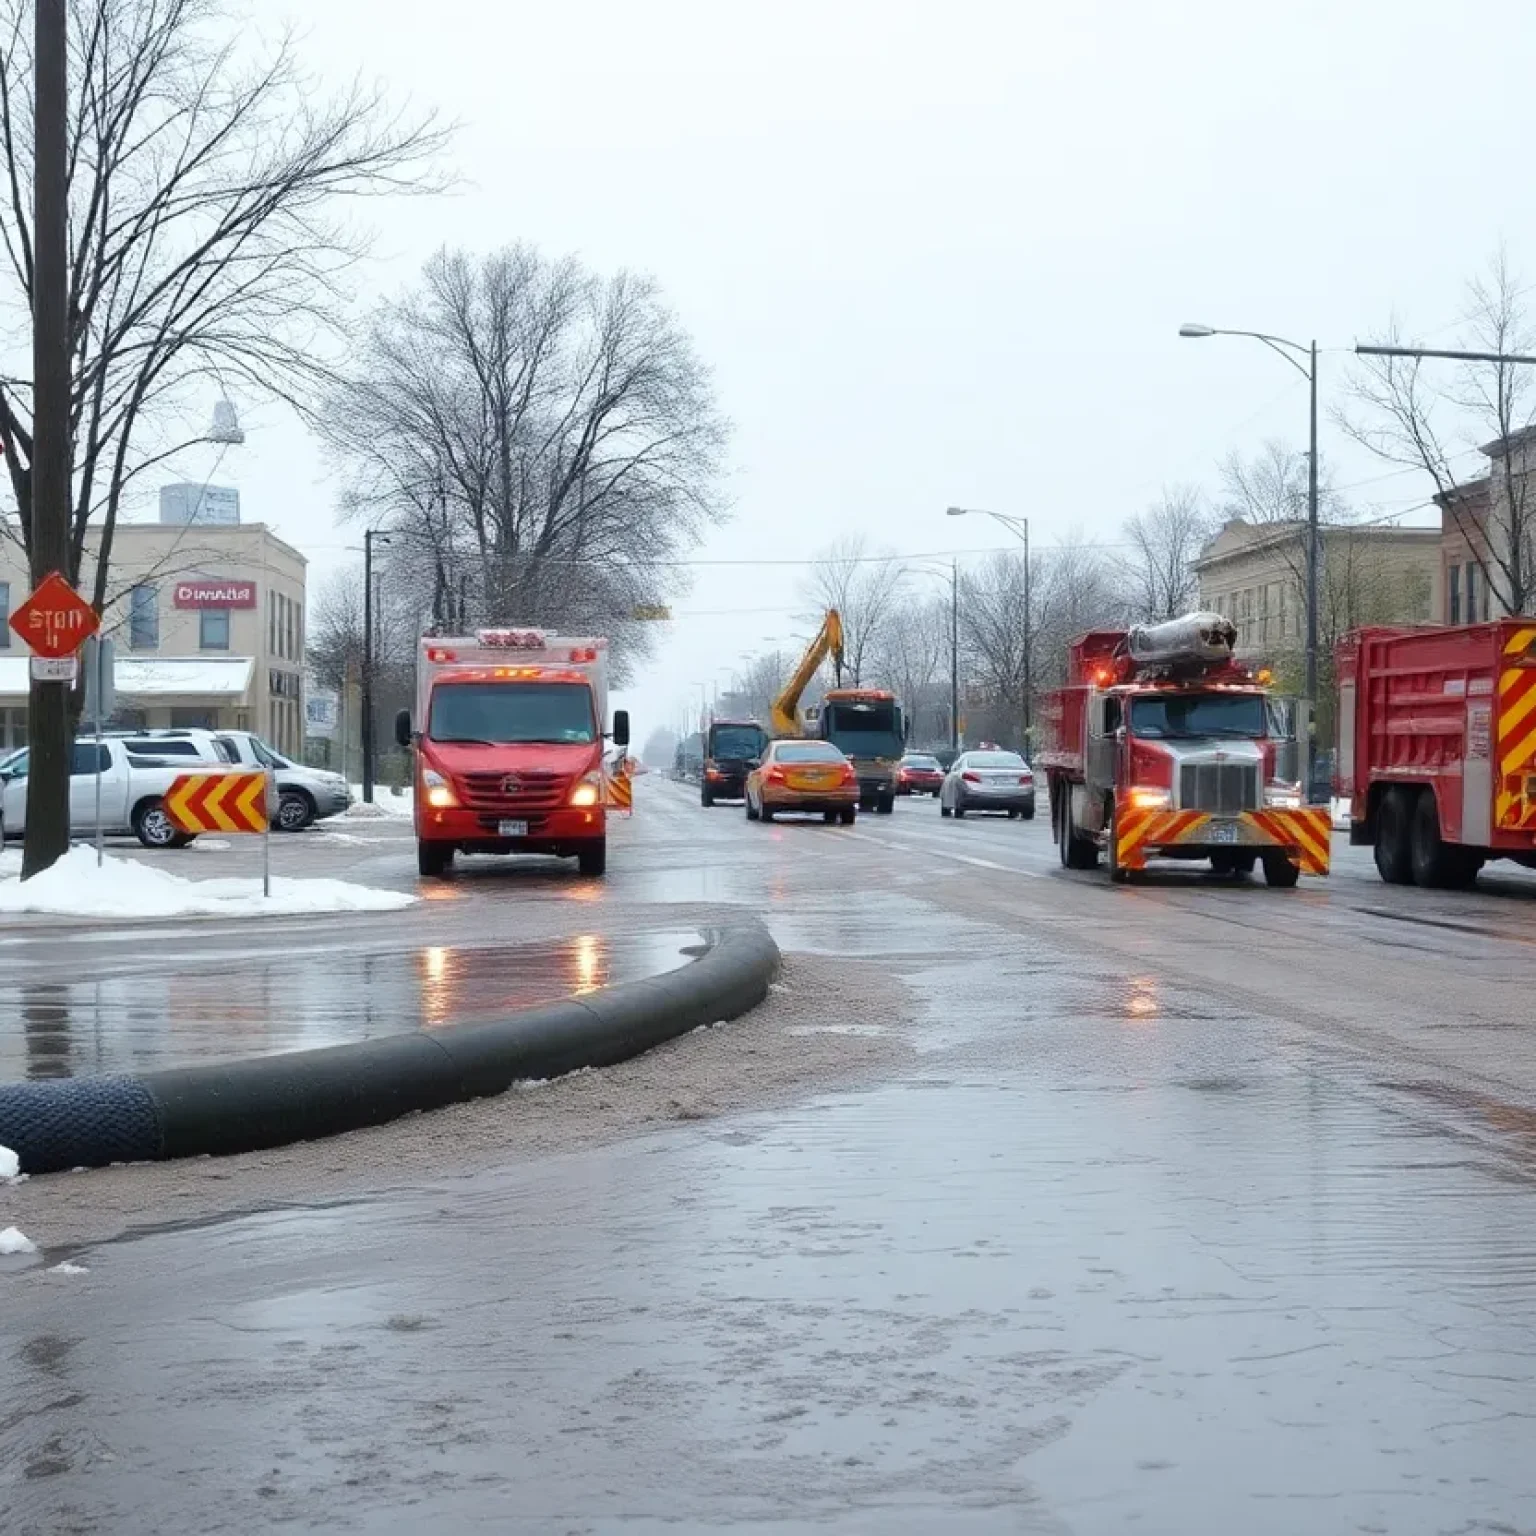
x=1019 y=527
x=369 y=737
x=1293 y=352
x=954 y=650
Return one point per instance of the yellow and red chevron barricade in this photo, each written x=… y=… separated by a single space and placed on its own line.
x=1306 y=833
x=1515 y=796
x=218 y=802
x=620 y=794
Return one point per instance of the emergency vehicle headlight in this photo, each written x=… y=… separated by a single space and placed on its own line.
x=588 y=791
x=1151 y=799
x=1283 y=797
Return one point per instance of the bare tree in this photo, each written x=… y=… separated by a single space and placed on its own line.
x=205 y=238
x=546 y=438
x=1428 y=415
x=865 y=587
x=1157 y=572
x=913 y=656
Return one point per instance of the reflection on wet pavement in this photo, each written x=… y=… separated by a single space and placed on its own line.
x=287 y=1001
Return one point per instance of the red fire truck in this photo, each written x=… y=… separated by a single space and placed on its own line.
x=1437 y=748
x=509 y=735
x=1162 y=745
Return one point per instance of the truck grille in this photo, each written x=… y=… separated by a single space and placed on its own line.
x=1224 y=789
x=536 y=790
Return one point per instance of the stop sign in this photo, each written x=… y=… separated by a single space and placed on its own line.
x=55 y=620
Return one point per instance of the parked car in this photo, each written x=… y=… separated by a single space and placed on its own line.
x=803 y=776
x=989 y=781
x=133 y=789
x=304 y=795
x=919 y=773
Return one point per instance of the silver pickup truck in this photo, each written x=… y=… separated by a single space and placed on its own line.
x=133 y=790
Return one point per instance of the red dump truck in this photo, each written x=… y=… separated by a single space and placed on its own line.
x=1437 y=748
x=508 y=738
x=1163 y=745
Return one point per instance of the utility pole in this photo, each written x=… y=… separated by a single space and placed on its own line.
x=48 y=734
x=1029 y=677
x=369 y=737
x=954 y=655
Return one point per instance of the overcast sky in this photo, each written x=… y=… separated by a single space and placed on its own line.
x=941 y=254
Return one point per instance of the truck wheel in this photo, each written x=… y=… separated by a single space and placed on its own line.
x=848 y=815
x=764 y=811
x=593 y=861
x=1280 y=871
x=1436 y=863
x=1238 y=864
x=944 y=810
x=155 y=829
x=433 y=860
x=1076 y=852
x=1394 y=854
x=751 y=809
x=886 y=805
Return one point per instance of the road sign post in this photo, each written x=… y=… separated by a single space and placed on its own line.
x=100 y=702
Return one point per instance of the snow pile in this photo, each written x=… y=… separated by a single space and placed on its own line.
x=13 y=1240
x=130 y=891
x=386 y=802
x=66 y=1268
x=10 y=862
x=10 y=1164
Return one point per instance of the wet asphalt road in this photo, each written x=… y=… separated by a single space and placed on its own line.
x=1187 y=1207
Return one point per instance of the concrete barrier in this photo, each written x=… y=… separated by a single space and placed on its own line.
x=269 y=1101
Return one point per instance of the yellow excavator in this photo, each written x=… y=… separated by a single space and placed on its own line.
x=785 y=715
x=865 y=723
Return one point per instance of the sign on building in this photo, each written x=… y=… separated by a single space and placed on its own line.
x=212 y=506
x=322 y=712
x=215 y=594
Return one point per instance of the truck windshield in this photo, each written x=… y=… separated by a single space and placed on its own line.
x=864 y=730
x=737 y=741
x=1182 y=715
x=496 y=714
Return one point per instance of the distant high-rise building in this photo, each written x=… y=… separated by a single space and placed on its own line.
x=216 y=506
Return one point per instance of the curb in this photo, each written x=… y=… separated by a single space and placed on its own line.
x=268 y=1101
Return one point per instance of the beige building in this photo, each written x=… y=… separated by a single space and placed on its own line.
x=1255 y=576
x=208 y=624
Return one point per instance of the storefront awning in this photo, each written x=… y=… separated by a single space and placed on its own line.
x=157 y=679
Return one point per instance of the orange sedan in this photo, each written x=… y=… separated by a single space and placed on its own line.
x=803 y=776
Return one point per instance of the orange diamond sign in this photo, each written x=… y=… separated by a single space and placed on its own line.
x=55 y=620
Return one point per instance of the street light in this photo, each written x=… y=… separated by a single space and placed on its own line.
x=1019 y=527
x=368 y=723
x=954 y=650
x=1293 y=352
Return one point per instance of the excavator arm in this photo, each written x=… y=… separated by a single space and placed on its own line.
x=785 y=717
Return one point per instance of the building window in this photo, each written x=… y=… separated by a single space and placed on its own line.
x=1471 y=593
x=5 y=614
x=213 y=629
x=143 y=619
x=1454 y=589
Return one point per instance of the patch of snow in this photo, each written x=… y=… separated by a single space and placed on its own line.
x=12 y=1240
x=10 y=862
x=386 y=802
x=128 y=891
x=67 y=1268
x=212 y=845
x=10 y=1164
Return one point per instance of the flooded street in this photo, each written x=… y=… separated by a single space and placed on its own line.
x=1183 y=1208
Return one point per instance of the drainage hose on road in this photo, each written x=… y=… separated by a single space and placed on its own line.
x=269 y=1101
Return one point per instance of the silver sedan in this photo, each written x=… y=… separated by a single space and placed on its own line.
x=988 y=781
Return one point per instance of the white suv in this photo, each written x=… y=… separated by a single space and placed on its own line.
x=305 y=795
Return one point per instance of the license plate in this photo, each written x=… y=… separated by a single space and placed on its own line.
x=1223 y=831
x=512 y=829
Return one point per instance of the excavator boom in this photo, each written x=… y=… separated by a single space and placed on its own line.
x=785 y=717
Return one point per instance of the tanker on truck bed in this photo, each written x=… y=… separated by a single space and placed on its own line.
x=1437 y=748
x=1163 y=745
x=508 y=738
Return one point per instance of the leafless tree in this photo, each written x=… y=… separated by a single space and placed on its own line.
x=547 y=440
x=913 y=657
x=756 y=683
x=1157 y=571
x=1429 y=414
x=206 y=239
x=865 y=586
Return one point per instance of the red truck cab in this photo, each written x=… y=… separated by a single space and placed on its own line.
x=509 y=745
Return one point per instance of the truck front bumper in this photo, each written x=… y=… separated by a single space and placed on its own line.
x=563 y=832
x=1303 y=833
